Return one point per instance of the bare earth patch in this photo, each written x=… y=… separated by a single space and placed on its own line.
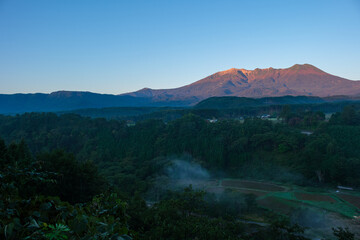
x=249 y=191
x=354 y=200
x=314 y=197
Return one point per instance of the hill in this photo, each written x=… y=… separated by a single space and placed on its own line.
x=239 y=102
x=69 y=100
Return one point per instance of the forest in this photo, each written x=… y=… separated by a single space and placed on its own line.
x=73 y=177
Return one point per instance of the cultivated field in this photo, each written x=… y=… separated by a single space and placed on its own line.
x=354 y=200
x=252 y=185
x=314 y=197
x=257 y=193
x=282 y=206
x=284 y=199
x=327 y=209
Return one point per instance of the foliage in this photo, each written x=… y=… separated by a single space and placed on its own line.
x=128 y=156
x=343 y=233
x=56 y=232
x=186 y=215
x=25 y=213
x=47 y=193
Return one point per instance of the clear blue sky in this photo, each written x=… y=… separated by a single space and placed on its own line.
x=124 y=45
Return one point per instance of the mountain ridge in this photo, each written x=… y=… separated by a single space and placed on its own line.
x=297 y=80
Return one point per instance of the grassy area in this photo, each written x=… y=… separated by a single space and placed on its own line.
x=352 y=199
x=336 y=205
x=284 y=200
x=251 y=185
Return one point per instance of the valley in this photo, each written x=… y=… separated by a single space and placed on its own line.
x=179 y=120
x=317 y=209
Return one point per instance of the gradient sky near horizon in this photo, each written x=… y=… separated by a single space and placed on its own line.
x=117 y=46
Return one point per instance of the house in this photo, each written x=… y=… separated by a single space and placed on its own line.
x=307 y=132
x=345 y=188
x=130 y=123
x=213 y=120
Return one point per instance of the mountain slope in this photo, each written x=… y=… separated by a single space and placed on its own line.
x=239 y=102
x=305 y=80
x=68 y=100
x=298 y=80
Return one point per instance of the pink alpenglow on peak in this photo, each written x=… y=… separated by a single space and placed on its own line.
x=298 y=80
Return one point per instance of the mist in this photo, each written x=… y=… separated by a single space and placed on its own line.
x=183 y=173
x=179 y=173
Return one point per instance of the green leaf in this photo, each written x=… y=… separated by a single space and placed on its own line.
x=45 y=206
x=125 y=237
x=36 y=214
x=8 y=231
x=33 y=224
x=79 y=224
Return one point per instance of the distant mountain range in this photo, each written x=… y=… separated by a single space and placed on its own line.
x=71 y=100
x=298 y=80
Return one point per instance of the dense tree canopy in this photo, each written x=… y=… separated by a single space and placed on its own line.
x=127 y=154
x=70 y=177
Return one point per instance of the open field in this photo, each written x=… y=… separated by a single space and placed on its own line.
x=284 y=199
x=282 y=206
x=352 y=199
x=252 y=185
x=257 y=193
x=317 y=209
x=314 y=197
x=220 y=190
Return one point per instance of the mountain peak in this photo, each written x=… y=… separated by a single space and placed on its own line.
x=259 y=73
x=235 y=71
x=299 y=79
x=229 y=71
x=305 y=67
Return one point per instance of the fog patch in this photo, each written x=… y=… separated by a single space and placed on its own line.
x=184 y=173
x=308 y=217
x=187 y=170
x=318 y=223
x=179 y=173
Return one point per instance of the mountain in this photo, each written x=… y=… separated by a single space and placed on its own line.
x=298 y=80
x=69 y=100
x=62 y=100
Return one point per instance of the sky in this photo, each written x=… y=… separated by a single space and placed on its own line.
x=117 y=46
